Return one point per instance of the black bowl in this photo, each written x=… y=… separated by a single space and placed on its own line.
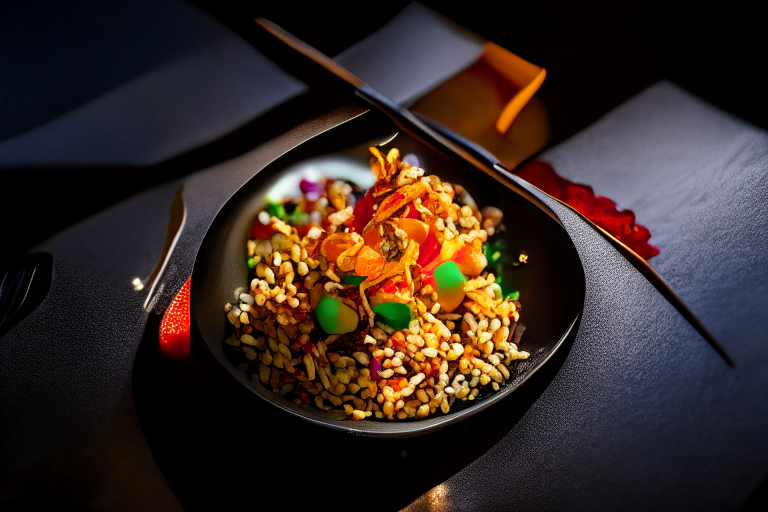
x=551 y=284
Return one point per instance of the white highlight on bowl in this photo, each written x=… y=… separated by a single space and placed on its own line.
x=335 y=167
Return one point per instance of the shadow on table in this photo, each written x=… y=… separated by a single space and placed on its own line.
x=220 y=446
x=758 y=500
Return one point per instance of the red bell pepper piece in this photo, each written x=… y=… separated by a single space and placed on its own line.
x=363 y=212
x=397 y=342
x=303 y=230
x=429 y=250
x=261 y=231
x=410 y=213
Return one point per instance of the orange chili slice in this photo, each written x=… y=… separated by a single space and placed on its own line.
x=415 y=229
x=337 y=243
x=400 y=198
x=346 y=260
x=372 y=238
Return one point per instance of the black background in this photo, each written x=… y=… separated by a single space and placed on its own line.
x=597 y=54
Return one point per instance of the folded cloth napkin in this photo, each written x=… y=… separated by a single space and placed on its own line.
x=697 y=177
x=424 y=47
x=137 y=99
x=110 y=94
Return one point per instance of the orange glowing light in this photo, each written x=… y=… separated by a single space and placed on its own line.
x=174 y=328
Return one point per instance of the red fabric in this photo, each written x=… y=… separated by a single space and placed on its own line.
x=600 y=210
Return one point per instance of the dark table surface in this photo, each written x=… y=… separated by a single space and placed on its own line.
x=638 y=413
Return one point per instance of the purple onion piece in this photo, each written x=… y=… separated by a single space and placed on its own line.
x=375 y=369
x=311 y=189
x=519 y=329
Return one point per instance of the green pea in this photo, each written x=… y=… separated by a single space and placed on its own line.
x=394 y=314
x=353 y=280
x=335 y=317
x=277 y=210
